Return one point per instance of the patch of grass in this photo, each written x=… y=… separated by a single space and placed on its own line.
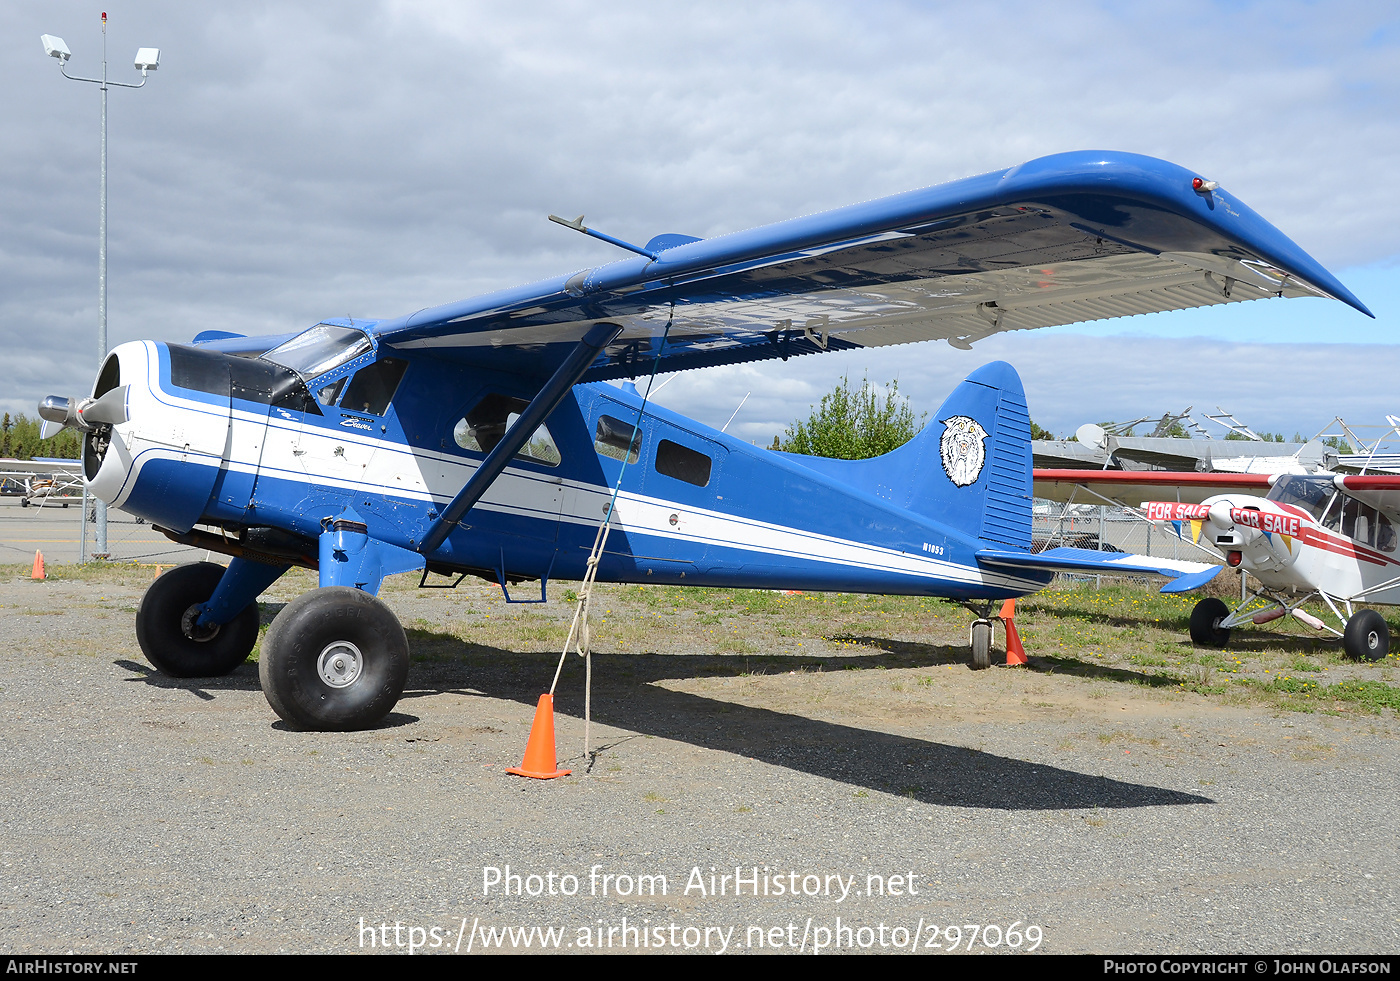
x=1369 y=695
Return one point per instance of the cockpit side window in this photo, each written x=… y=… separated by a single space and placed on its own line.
x=329 y=393
x=373 y=387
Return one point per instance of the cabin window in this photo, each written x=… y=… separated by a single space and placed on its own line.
x=1385 y=534
x=1362 y=523
x=486 y=425
x=373 y=387
x=616 y=439
x=683 y=463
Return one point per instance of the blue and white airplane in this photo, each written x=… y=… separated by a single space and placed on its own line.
x=482 y=437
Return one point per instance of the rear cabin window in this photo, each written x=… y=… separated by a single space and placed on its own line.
x=616 y=439
x=682 y=463
x=486 y=423
x=373 y=387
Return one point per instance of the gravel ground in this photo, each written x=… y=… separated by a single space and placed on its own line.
x=144 y=814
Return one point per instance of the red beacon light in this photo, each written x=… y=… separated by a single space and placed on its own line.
x=1233 y=559
x=1201 y=184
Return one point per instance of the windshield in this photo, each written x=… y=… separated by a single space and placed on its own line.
x=314 y=352
x=1312 y=494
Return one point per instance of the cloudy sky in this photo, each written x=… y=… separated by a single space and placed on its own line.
x=290 y=162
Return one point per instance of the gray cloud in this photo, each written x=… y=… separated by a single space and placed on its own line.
x=292 y=162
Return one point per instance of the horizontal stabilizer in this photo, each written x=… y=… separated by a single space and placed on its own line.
x=1185 y=584
x=1085 y=561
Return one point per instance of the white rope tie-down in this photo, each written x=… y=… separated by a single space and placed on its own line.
x=579 y=639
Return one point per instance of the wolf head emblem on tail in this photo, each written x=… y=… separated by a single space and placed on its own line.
x=963 y=452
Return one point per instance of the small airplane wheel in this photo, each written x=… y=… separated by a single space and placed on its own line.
x=1205 y=623
x=166 y=631
x=1367 y=636
x=334 y=660
x=981 y=644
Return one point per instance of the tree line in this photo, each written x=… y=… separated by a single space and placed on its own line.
x=19 y=440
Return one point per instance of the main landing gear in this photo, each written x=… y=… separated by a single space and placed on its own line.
x=334 y=660
x=1205 y=623
x=1366 y=636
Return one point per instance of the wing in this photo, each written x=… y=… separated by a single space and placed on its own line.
x=1126 y=487
x=42 y=468
x=1062 y=239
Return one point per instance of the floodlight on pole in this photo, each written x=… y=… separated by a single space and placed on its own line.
x=55 y=48
x=147 y=60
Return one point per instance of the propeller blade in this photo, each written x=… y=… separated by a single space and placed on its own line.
x=109 y=409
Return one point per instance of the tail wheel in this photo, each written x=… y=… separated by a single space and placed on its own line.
x=1367 y=636
x=981 y=644
x=171 y=639
x=1205 y=623
x=334 y=660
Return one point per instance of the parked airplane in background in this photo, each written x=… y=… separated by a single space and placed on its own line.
x=38 y=483
x=481 y=437
x=1323 y=536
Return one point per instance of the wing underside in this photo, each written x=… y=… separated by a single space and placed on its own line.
x=1062 y=240
x=1130 y=487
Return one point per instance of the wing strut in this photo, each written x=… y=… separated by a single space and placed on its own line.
x=554 y=391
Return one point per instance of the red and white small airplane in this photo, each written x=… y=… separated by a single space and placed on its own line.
x=1328 y=536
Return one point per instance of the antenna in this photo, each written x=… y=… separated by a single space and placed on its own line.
x=736 y=411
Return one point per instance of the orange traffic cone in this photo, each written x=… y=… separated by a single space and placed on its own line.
x=38 y=572
x=540 y=761
x=1015 y=653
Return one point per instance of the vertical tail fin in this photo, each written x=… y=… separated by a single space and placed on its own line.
x=971 y=465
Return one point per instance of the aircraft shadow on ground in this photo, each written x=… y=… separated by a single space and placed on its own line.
x=243 y=678
x=626 y=695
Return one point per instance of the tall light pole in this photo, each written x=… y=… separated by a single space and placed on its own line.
x=147 y=60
